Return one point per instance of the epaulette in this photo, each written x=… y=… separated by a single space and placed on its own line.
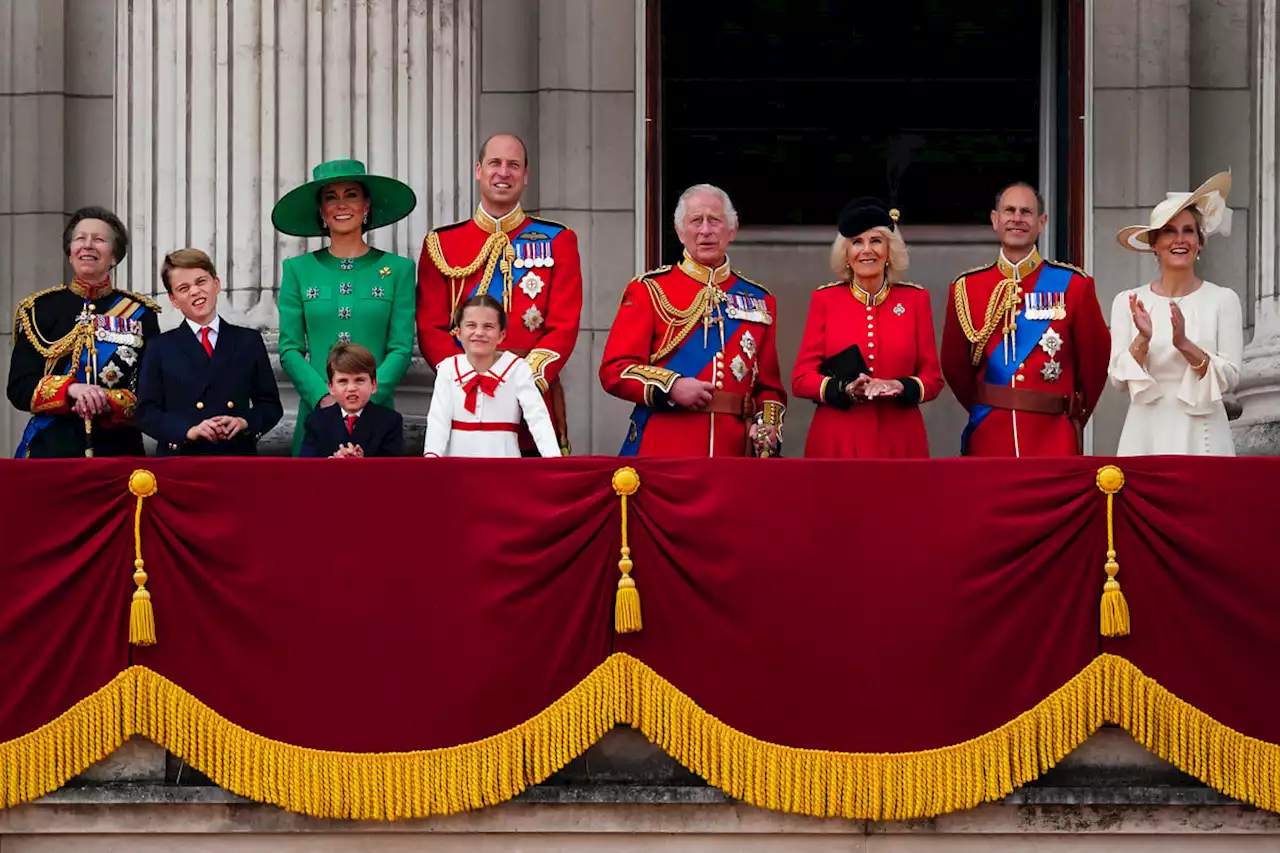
x=450 y=226
x=662 y=270
x=140 y=299
x=1067 y=266
x=28 y=302
x=974 y=270
x=910 y=284
x=742 y=277
x=831 y=284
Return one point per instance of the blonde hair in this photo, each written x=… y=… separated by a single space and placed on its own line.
x=899 y=257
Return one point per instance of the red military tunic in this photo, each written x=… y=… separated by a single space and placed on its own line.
x=1065 y=371
x=676 y=316
x=532 y=267
x=893 y=329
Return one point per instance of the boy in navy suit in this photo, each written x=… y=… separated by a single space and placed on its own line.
x=352 y=427
x=206 y=387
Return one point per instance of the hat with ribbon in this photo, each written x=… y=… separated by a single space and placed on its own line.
x=297 y=212
x=1209 y=199
x=863 y=214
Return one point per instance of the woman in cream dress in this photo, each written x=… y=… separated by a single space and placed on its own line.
x=1177 y=344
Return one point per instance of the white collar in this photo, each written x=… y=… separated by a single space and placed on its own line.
x=345 y=414
x=196 y=327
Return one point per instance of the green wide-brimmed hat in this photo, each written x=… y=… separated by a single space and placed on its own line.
x=297 y=212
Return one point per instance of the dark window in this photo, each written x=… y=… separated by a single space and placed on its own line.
x=795 y=106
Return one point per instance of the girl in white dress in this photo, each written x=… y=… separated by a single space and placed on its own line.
x=481 y=393
x=1177 y=344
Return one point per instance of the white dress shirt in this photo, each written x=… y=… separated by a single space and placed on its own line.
x=213 y=330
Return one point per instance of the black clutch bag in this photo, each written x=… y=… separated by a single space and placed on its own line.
x=846 y=364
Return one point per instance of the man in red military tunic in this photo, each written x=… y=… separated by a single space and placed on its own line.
x=693 y=347
x=1025 y=346
x=528 y=264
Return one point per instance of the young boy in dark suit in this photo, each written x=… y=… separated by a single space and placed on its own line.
x=352 y=427
x=206 y=387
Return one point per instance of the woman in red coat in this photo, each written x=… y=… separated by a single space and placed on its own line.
x=868 y=357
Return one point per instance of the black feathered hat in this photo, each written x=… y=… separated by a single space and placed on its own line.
x=863 y=214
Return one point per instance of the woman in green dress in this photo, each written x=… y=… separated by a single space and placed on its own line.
x=349 y=291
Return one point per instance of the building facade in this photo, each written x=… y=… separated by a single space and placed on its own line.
x=190 y=117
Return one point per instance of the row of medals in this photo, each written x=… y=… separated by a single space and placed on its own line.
x=531 y=255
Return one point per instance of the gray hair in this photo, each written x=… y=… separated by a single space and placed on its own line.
x=730 y=212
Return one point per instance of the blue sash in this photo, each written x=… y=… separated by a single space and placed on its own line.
x=104 y=349
x=536 y=231
x=1052 y=279
x=689 y=360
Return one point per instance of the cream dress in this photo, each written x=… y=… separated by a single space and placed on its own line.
x=453 y=431
x=1171 y=409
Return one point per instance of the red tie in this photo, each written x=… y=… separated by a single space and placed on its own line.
x=204 y=340
x=351 y=424
x=480 y=382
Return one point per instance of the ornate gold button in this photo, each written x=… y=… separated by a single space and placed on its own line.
x=230 y=405
x=199 y=405
x=719 y=385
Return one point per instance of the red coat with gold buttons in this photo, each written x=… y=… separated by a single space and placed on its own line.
x=670 y=326
x=893 y=329
x=1069 y=360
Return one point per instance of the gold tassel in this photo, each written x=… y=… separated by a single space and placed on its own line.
x=626 y=606
x=1114 y=609
x=142 y=620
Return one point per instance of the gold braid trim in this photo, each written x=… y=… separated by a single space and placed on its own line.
x=1004 y=298
x=679 y=321
x=820 y=783
x=496 y=248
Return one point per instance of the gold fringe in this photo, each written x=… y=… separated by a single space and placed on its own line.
x=626 y=604
x=1114 y=615
x=43 y=760
x=865 y=786
x=142 y=619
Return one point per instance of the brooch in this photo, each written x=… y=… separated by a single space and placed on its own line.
x=377 y=292
x=313 y=293
x=384 y=272
x=344 y=313
x=345 y=288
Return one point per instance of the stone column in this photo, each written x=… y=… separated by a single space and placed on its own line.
x=56 y=148
x=222 y=107
x=1257 y=431
x=1141 y=145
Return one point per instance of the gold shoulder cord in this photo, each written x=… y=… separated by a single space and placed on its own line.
x=678 y=321
x=72 y=343
x=497 y=247
x=1004 y=299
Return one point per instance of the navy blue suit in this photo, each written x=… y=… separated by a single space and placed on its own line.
x=181 y=385
x=379 y=431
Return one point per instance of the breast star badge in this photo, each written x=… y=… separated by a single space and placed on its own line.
x=532 y=285
x=532 y=318
x=1052 y=371
x=739 y=367
x=749 y=344
x=1051 y=343
x=110 y=375
x=899 y=310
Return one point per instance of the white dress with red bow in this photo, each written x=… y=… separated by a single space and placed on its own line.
x=478 y=414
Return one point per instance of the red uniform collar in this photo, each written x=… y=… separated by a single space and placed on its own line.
x=89 y=291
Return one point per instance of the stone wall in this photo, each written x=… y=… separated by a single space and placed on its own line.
x=56 y=149
x=625 y=795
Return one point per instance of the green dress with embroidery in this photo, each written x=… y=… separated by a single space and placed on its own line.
x=367 y=300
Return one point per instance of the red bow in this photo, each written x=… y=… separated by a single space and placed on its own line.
x=480 y=382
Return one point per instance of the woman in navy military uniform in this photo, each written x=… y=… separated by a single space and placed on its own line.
x=77 y=348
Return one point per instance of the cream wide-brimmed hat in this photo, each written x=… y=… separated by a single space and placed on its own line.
x=1210 y=199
